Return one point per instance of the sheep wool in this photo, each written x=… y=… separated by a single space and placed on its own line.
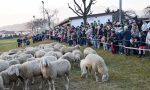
x=95 y=63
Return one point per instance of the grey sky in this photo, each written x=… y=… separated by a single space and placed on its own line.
x=19 y=11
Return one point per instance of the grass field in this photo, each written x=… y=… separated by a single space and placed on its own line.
x=126 y=73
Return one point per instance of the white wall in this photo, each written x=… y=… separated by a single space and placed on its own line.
x=102 y=19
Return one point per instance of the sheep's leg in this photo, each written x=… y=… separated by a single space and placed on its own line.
x=49 y=84
x=53 y=84
x=66 y=83
x=40 y=87
x=17 y=83
x=96 y=76
x=27 y=84
x=33 y=80
x=12 y=88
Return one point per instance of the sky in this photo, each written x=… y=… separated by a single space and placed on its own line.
x=20 y=11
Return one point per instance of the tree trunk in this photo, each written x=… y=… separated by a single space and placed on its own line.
x=85 y=18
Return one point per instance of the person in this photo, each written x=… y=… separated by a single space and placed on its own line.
x=142 y=44
x=148 y=39
x=144 y=27
x=19 y=41
x=126 y=38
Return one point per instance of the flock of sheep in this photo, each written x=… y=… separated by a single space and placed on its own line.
x=48 y=61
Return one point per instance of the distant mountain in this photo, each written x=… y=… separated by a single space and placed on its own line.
x=15 y=27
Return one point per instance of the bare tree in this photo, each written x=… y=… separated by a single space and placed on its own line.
x=147 y=11
x=107 y=10
x=86 y=10
x=51 y=16
x=37 y=23
x=131 y=13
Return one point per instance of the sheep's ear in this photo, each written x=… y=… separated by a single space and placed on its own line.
x=13 y=70
x=10 y=71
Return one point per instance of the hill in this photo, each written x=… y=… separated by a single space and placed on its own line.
x=15 y=27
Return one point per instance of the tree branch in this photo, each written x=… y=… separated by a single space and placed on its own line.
x=78 y=11
x=79 y=7
x=74 y=10
x=89 y=6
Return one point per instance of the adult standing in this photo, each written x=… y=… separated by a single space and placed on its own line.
x=148 y=39
x=142 y=44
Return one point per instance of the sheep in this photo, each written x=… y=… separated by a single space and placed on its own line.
x=39 y=54
x=57 y=46
x=23 y=57
x=77 y=55
x=89 y=50
x=70 y=49
x=69 y=56
x=95 y=63
x=14 y=51
x=31 y=50
x=48 y=49
x=31 y=59
x=51 y=70
x=3 y=65
x=57 y=54
x=7 y=77
x=31 y=69
x=1 y=83
x=1 y=53
x=62 y=49
x=13 y=62
x=5 y=56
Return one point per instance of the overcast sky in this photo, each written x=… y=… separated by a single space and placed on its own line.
x=19 y=11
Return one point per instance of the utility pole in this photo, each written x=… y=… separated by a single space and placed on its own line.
x=33 y=28
x=120 y=11
x=43 y=10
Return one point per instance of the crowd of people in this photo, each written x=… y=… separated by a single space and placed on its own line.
x=133 y=36
x=23 y=41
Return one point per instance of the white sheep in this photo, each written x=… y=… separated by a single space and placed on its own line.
x=23 y=57
x=1 y=83
x=3 y=65
x=39 y=54
x=70 y=49
x=77 y=55
x=89 y=50
x=48 y=49
x=95 y=63
x=57 y=54
x=57 y=46
x=7 y=77
x=31 y=50
x=28 y=70
x=13 y=62
x=69 y=56
x=5 y=56
x=62 y=49
x=51 y=70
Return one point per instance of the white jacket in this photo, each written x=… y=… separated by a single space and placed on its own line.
x=148 y=38
x=144 y=27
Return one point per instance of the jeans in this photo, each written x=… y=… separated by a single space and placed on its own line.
x=148 y=46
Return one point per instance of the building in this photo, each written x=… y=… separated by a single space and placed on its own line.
x=76 y=21
x=7 y=34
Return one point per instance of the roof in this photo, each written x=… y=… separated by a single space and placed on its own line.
x=7 y=32
x=93 y=15
x=78 y=17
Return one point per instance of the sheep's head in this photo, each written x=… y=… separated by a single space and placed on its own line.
x=84 y=69
x=77 y=46
x=105 y=77
x=14 y=69
x=77 y=57
x=84 y=72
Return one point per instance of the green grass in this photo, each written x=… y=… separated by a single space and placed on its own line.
x=126 y=73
